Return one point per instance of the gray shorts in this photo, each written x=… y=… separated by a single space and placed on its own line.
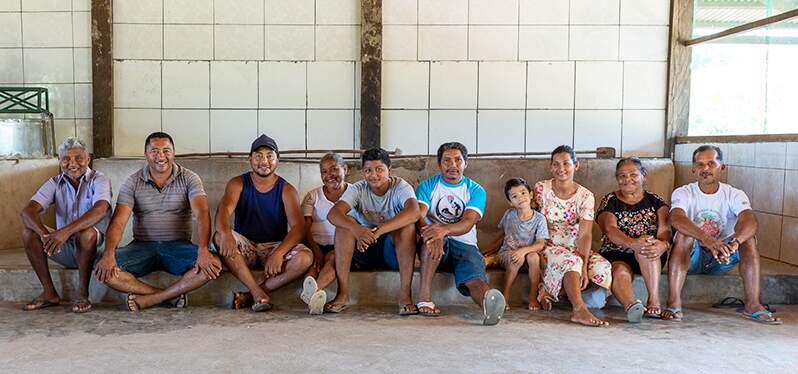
x=68 y=256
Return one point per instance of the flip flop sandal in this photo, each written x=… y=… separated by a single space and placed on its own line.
x=309 y=288
x=493 y=307
x=676 y=314
x=316 y=302
x=652 y=315
x=634 y=313
x=770 y=320
x=729 y=302
x=81 y=306
x=428 y=305
x=544 y=299
x=261 y=306
x=408 y=310
x=37 y=304
x=335 y=308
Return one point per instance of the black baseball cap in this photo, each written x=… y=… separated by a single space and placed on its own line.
x=264 y=141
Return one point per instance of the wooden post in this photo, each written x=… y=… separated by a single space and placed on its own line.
x=102 y=70
x=678 y=106
x=371 y=73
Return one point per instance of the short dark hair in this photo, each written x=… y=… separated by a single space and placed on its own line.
x=707 y=147
x=515 y=182
x=452 y=145
x=564 y=149
x=633 y=160
x=376 y=154
x=158 y=135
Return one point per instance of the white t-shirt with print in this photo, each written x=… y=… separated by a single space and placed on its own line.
x=715 y=214
x=317 y=206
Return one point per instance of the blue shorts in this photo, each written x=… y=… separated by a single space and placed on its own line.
x=140 y=258
x=379 y=256
x=465 y=261
x=702 y=261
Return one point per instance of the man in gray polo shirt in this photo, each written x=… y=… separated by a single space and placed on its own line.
x=82 y=199
x=162 y=197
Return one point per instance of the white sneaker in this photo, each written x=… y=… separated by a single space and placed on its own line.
x=309 y=288
x=317 y=301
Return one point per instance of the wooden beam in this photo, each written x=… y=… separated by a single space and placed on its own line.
x=371 y=73
x=743 y=28
x=102 y=70
x=678 y=105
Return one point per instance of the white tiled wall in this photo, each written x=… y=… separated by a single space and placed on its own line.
x=47 y=44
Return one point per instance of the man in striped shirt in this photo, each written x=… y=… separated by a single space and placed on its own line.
x=161 y=197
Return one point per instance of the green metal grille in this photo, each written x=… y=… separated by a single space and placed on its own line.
x=24 y=100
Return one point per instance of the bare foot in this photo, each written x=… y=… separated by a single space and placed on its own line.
x=534 y=305
x=584 y=317
x=132 y=303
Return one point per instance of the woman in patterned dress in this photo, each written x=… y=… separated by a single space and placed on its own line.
x=636 y=238
x=570 y=263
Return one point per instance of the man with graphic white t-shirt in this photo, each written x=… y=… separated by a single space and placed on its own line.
x=715 y=230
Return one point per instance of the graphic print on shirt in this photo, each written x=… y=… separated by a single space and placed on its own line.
x=710 y=222
x=449 y=209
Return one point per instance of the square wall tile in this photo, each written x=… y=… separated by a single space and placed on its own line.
x=399 y=12
x=82 y=64
x=593 y=43
x=595 y=12
x=789 y=236
x=742 y=154
x=548 y=129
x=247 y=12
x=643 y=133
x=337 y=43
x=46 y=5
x=493 y=12
x=50 y=29
x=769 y=235
x=186 y=85
x=290 y=12
x=289 y=43
x=131 y=127
x=83 y=101
x=188 y=11
x=550 y=85
x=63 y=128
x=399 y=42
x=83 y=130
x=453 y=126
x=79 y=5
x=81 y=29
x=453 y=85
x=648 y=43
x=138 y=11
x=645 y=12
x=233 y=130
x=599 y=85
x=48 y=65
x=137 y=84
x=282 y=84
x=683 y=153
x=406 y=130
x=330 y=129
x=287 y=127
x=12 y=30
x=645 y=85
x=442 y=43
x=768 y=191
x=10 y=5
x=11 y=61
x=597 y=128
x=744 y=178
x=191 y=128
x=543 y=43
x=502 y=85
x=331 y=85
x=500 y=131
x=188 y=42
x=234 y=84
x=337 y=12
x=443 y=12
x=405 y=85
x=138 y=42
x=543 y=12
x=771 y=155
x=497 y=43
x=792 y=155
x=238 y=42
x=358 y=83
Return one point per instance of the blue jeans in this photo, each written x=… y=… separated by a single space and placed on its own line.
x=465 y=261
x=381 y=255
x=702 y=261
x=140 y=258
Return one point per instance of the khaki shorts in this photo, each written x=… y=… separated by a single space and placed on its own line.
x=258 y=253
x=68 y=256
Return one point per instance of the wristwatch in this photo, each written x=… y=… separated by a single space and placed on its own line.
x=734 y=241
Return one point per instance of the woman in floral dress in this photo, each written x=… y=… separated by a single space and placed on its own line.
x=570 y=263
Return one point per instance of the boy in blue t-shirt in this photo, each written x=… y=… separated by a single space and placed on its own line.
x=451 y=205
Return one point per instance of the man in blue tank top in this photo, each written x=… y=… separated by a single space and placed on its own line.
x=387 y=210
x=265 y=206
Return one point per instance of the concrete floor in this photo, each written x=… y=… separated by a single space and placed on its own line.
x=375 y=340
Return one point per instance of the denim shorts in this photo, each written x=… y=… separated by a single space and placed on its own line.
x=702 y=261
x=140 y=258
x=465 y=261
x=381 y=255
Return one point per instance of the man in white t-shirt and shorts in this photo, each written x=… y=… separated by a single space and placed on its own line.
x=715 y=229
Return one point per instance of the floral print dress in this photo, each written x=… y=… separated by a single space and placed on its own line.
x=560 y=253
